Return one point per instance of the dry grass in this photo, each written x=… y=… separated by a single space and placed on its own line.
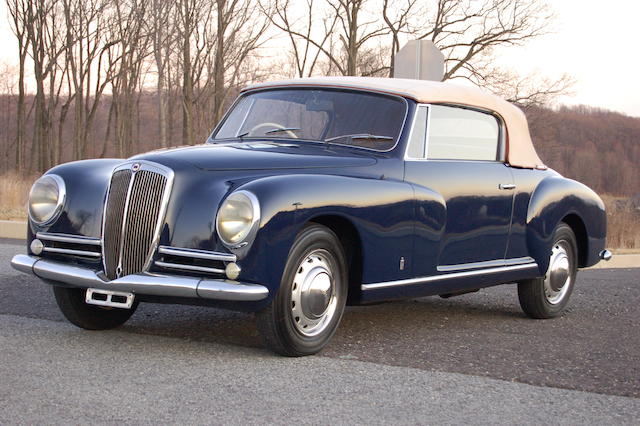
x=623 y=224
x=14 y=191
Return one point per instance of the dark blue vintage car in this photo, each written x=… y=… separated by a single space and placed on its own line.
x=311 y=194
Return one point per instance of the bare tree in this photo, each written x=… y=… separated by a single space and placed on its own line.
x=397 y=19
x=86 y=46
x=348 y=26
x=18 y=11
x=240 y=30
x=44 y=31
x=129 y=49
x=305 y=54
x=160 y=28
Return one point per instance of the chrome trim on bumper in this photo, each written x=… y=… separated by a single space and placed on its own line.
x=197 y=254
x=146 y=283
x=193 y=268
x=72 y=252
x=68 y=238
x=605 y=255
x=47 y=237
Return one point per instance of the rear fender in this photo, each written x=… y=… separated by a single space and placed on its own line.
x=554 y=199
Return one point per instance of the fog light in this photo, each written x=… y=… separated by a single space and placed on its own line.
x=232 y=270
x=36 y=247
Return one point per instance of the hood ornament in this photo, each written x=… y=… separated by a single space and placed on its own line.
x=135 y=167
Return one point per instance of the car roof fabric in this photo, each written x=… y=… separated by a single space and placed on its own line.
x=520 y=150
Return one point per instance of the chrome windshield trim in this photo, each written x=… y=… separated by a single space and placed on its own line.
x=433 y=278
x=72 y=252
x=316 y=86
x=188 y=267
x=68 y=238
x=197 y=254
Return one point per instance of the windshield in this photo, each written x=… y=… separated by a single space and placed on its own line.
x=360 y=119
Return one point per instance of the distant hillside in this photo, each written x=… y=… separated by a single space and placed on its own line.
x=597 y=147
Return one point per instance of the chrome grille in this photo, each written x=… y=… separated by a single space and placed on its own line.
x=142 y=217
x=134 y=209
x=114 y=214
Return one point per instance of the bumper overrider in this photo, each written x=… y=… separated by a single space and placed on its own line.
x=146 y=283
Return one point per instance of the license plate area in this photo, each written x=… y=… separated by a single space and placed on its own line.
x=112 y=299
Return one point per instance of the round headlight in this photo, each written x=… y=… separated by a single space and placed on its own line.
x=238 y=219
x=46 y=199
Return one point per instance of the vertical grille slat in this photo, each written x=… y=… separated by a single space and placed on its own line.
x=136 y=230
x=114 y=214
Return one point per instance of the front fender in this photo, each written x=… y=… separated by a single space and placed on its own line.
x=555 y=199
x=87 y=182
x=380 y=210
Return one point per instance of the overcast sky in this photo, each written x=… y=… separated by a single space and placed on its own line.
x=595 y=41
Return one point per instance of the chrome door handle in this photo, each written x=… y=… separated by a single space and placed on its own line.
x=507 y=186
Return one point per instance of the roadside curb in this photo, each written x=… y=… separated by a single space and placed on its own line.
x=13 y=229
x=620 y=261
x=18 y=230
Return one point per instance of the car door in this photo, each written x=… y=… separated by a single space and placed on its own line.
x=458 y=153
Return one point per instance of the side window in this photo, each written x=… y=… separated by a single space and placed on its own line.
x=462 y=134
x=418 y=133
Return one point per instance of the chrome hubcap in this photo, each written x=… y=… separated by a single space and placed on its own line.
x=313 y=298
x=558 y=278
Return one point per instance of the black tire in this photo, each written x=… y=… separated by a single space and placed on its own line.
x=71 y=302
x=280 y=326
x=539 y=300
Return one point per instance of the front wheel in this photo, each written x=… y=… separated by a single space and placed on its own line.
x=71 y=302
x=547 y=297
x=306 y=311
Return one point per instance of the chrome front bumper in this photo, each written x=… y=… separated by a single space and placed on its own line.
x=147 y=283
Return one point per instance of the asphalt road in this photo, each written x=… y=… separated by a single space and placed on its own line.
x=474 y=358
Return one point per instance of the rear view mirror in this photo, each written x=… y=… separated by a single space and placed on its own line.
x=319 y=105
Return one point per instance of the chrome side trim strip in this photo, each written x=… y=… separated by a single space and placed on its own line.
x=189 y=267
x=422 y=280
x=486 y=264
x=73 y=252
x=143 y=283
x=68 y=238
x=197 y=254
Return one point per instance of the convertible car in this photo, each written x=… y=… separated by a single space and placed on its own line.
x=312 y=194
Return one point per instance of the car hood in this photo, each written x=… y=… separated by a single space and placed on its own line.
x=263 y=156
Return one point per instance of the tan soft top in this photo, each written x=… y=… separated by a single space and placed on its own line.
x=520 y=150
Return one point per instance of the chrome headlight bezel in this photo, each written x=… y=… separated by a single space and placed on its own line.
x=250 y=231
x=56 y=208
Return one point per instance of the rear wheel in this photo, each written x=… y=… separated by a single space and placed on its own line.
x=548 y=296
x=71 y=302
x=309 y=304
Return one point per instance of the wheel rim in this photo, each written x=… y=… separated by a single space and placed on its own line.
x=558 y=279
x=313 y=295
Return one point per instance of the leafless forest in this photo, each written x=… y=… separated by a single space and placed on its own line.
x=95 y=78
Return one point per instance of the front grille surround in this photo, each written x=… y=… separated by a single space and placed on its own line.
x=134 y=212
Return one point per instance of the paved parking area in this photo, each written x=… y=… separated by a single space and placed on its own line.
x=472 y=358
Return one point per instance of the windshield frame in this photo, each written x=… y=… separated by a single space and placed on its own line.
x=211 y=140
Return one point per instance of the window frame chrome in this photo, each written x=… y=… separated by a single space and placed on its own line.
x=502 y=136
